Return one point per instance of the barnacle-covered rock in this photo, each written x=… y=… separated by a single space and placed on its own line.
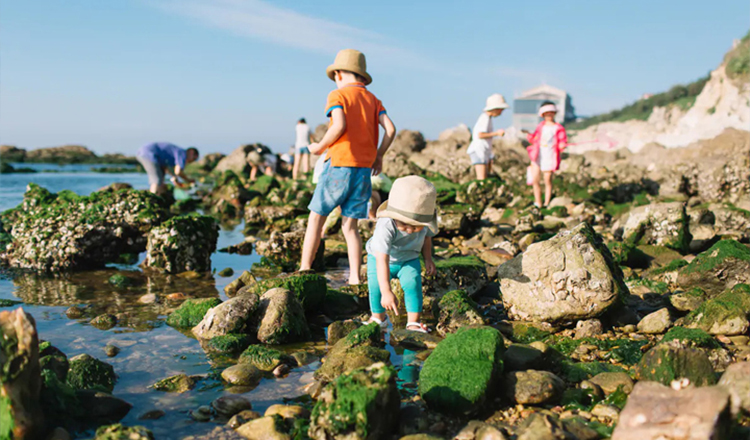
x=183 y=243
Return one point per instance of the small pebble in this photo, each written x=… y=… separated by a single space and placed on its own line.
x=202 y=414
x=177 y=296
x=228 y=272
x=281 y=371
x=148 y=298
x=74 y=312
x=111 y=350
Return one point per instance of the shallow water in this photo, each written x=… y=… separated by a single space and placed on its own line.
x=151 y=350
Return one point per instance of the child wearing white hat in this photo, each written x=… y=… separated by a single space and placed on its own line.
x=480 y=149
x=407 y=221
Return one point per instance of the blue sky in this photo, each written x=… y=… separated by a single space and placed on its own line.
x=116 y=74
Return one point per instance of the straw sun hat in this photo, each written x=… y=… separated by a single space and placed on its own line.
x=495 y=101
x=412 y=200
x=352 y=61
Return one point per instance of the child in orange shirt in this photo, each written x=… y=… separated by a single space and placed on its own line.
x=352 y=157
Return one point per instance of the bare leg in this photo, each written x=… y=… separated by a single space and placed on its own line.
x=295 y=167
x=375 y=203
x=353 y=247
x=312 y=240
x=481 y=170
x=154 y=188
x=489 y=169
x=547 y=187
x=305 y=163
x=413 y=317
x=536 y=176
x=253 y=173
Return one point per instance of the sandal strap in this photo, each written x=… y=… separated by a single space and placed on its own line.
x=422 y=327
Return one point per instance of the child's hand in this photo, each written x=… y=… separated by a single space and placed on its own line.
x=377 y=167
x=389 y=302
x=315 y=148
x=429 y=268
x=500 y=132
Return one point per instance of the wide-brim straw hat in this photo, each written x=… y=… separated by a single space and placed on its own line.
x=495 y=101
x=547 y=109
x=412 y=200
x=352 y=61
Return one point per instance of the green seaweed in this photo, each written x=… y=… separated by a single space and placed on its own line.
x=717 y=254
x=469 y=261
x=191 y=312
x=459 y=373
x=228 y=344
x=89 y=373
x=691 y=337
x=727 y=306
x=263 y=358
x=310 y=289
x=457 y=301
x=526 y=333
x=667 y=362
x=578 y=371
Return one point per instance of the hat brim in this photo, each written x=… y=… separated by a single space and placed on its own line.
x=333 y=68
x=496 y=107
x=383 y=212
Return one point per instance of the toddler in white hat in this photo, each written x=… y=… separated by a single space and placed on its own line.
x=407 y=221
x=480 y=149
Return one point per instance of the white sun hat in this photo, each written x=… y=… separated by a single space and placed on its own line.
x=547 y=108
x=495 y=101
x=412 y=200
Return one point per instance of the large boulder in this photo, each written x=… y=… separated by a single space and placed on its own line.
x=233 y=316
x=654 y=411
x=310 y=289
x=722 y=266
x=64 y=231
x=570 y=276
x=360 y=348
x=281 y=318
x=662 y=224
x=20 y=380
x=673 y=361
x=362 y=404
x=459 y=375
x=183 y=243
x=89 y=373
x=726 y=314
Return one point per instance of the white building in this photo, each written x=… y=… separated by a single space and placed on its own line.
x=526 y=106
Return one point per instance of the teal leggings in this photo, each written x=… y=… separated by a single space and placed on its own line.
x=409 y=274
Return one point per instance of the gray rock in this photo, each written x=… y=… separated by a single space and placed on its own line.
x=655 y=411
x=570 y=276
x=588 y=328
x=231 y=404
x=233 y=316
x=533 y=387
x=338 y=329
x=610 y=382
x=655 y=323
x=264 y=428
x=282 y=318
x=542 y=426
x=418 y=340
x=477 y=430
x=183 y=243
x=661 y=224
x=521 y=357
x=737 y=380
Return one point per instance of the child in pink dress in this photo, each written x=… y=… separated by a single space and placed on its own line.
x=547 y=142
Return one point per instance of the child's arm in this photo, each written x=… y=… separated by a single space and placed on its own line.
x=337 y=128
x=498 y=132
x=387 y=298
x=390 y=134
x=429 y=265
x=562 y=139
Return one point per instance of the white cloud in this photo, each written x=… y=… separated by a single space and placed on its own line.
x=267 y=22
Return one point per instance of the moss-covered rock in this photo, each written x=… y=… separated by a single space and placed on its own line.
x=570 y=276
x=339 y=304
x=64 y=231
x=459 y=374
x=20 y=381
x=120 y=432
x=689 y=300
x=227 y=344
x=176 y=384
x=284 y=250
x=310 y=289
x=722 y=266
x=360 y=348
x=359 y=405
x=339 y=329
x=726 y=314
x=282 y=319
x=458 y=219
x=487 y=192
x=663 y=224
x=120 y=280
x=671 y=361
x=88 y=373
x=182 y=244
x=457 y=310
x=191 y=312
x=575 y=372
x=58 y=400
x=627 y=254
x=690 y=337
x=232 y=316
x=264 y=184
x=264 y=358
x=458 y=273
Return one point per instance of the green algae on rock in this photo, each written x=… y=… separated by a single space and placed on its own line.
x=119 y=280
x=690 y=337
x=722 y=266
x=176 y=384
x=228 y=344
x=191 y=312
x=310 y=289
x=65 y=231
x=458 y=273
x=120 y=432
x=663 y=224
x=487 y=192
x=362 y=404
x=627 y=254
x=459 y=374
x=281 y=318
x=672 y=361
x=183 y=243
x=726 y=314
x=264 y=358
x=360 y=348
x=88 y=373
x=20 y=380
x=232 y=316
x=457 y=310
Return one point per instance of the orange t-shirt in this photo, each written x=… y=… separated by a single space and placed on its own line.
x=358 y=146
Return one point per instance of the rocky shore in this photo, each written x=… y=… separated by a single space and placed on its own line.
x=628 y=297
x=66 y=154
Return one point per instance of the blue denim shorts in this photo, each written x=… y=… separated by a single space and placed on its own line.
x=302 y=150
x=347 y=187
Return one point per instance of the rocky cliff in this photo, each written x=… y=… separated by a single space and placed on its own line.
x=723 y=103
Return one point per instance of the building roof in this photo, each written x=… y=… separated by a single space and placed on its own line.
x=544 y=89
